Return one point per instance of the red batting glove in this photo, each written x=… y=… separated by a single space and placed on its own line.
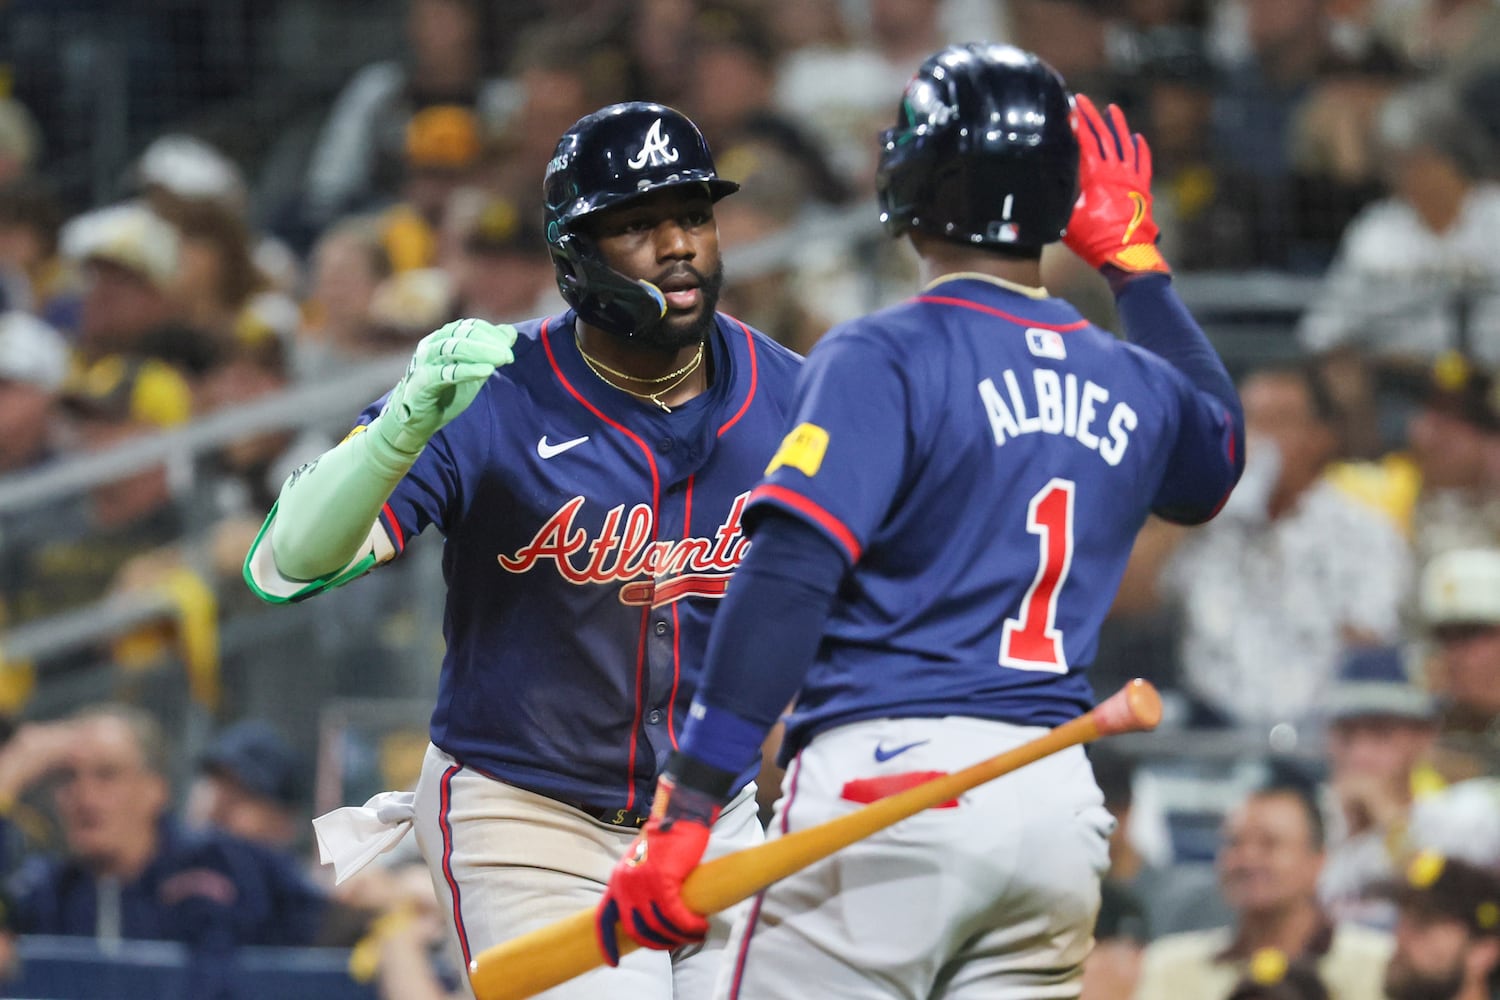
x=645 y=889
x=1111 y=223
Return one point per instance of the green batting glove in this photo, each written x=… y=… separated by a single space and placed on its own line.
x=446 y=372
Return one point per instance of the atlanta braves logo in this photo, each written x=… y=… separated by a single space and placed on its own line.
x=654 y=149
x=653 y=571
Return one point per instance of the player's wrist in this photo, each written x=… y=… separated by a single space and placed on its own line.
x=392 y=446
x=1122 y=279
x=692 y=789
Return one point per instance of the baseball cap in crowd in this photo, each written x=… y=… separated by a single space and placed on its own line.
x=499 y=228
x=1439 y=886
x=130 y=236
x=443 y=137
x=31 y=351
x=412 y=303
x=1461 y=588
x=190 y=168
x=1457 y=386
x=1373 y=683
x=255 y=756
x=146 y=391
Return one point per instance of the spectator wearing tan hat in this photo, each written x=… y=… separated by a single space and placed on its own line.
x=1460 y=606
x=1448 y=436
x=502 y=270
x=77 y=559
x=129 y=257
x=1448 y=932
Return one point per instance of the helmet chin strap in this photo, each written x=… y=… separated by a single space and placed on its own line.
x=603 y=296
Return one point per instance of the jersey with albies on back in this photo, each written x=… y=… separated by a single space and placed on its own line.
x=588 y=538
x=984 y=459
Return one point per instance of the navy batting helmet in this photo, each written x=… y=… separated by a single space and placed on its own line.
x=982 y=152
x=607 y=158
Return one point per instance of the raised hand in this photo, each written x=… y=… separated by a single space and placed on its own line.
x=446 y=372
x=1111 y=225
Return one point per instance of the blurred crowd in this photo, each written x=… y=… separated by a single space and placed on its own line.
x=1342 y=612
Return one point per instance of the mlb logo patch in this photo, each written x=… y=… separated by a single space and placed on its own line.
x=1046 y=344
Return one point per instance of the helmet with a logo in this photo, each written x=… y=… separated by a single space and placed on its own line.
x=982 y=152
x=607 y=158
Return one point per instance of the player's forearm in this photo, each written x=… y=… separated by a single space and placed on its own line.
x=764 y=639
x=1156 y=319
x=326 y=508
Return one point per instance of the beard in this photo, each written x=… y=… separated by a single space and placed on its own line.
x=1403 y=983
x=670 y=335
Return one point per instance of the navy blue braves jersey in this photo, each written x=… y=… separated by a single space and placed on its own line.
x=984 y=459
x=588 y=539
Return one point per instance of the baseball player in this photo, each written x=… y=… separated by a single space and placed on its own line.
x=588 y=472
x=936 y=542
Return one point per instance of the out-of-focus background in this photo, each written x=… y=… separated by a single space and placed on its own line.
x=224 y=224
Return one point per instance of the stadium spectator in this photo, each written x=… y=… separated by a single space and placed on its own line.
x=1458 y=422
x=32 y=276
x=20 y=141
x=348 y=264
x=216 y=274
x=443 y=146
x=129 y=871
x=1253 y=109
x=356 y=164
x=33 y=366
x=1448 y=932
x=1289 y=573
x=1415 y=274
x=1269 y=862
x=129 y=257
x=1460 y=605
x=250 y=784
x=1380 y=731
x=1272 y=977
x=870 y=59
x=562 y=70
x=501 y=266
x=1113 y=967
x=72 y=551
x=1174 y=897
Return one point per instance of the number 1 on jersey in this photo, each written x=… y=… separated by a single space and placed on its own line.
x=1032 y=641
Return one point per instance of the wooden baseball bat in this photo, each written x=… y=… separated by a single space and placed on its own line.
x=525 y=966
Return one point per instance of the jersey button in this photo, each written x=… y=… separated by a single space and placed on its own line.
x=654 y=717
x=665 y=445
x=661 y=628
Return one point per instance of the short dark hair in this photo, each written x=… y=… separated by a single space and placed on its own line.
x=1324 y=404
x=1303 y=795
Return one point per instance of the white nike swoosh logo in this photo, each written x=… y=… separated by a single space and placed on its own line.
x=550 y=450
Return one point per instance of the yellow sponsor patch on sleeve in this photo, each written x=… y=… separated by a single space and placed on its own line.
x=802 y=449
x=356 y=430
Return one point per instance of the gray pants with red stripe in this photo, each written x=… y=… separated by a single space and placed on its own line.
x=505 y=861
x=989 y=897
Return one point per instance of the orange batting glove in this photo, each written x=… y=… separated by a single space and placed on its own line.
x=645 y=889
x=1111 y=225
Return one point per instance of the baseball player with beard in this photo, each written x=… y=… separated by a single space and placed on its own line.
x=936 y=543
x=588 y=472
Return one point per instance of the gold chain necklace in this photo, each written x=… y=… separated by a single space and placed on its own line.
x=681 y=376
x=674 y=379
x=599 y=366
